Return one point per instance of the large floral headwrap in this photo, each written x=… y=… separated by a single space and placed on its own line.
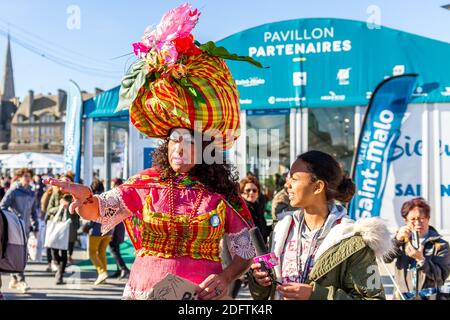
x=178 y=82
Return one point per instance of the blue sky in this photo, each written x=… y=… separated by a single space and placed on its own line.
x=107 y=29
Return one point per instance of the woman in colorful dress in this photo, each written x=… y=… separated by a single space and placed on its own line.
x=177 y=212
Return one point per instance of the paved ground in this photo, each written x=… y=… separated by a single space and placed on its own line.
x=80 y=277
x=79 y=284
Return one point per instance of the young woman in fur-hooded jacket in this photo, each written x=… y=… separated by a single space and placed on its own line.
x=323 y=254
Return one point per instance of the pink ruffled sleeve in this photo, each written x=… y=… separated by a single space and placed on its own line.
x=238 y=236
x=116 y=205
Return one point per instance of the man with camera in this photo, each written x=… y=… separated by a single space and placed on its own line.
x=422 y=256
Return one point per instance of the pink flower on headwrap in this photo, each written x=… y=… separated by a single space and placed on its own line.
x=148 y=37
x=140 y=49
x=176 y=23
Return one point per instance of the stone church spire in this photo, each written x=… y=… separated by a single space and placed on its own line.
x=8 y=77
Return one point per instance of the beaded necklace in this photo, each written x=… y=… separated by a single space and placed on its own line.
x=197 y=202
x=185 y=231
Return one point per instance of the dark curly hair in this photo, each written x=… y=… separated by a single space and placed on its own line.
x=219 y=178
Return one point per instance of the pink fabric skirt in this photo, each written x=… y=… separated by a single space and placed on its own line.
x=148 y=270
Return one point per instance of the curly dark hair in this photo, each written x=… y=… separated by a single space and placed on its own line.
x=219 y=178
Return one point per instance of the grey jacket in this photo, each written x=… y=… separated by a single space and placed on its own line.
x=22 y=201
x=432 y=274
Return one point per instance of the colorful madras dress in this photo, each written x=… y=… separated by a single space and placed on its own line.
x=175 y=226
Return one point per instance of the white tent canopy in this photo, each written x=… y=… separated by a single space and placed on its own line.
x=39 y=161
x=4 y=156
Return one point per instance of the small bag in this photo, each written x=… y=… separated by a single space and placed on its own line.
x=57 y=231
x=13 y=243
x=32 y=247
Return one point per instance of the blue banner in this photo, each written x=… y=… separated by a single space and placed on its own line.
x=379 y=134
x=72 y=131
x=329 y=62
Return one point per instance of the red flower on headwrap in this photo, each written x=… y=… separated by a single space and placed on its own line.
x=187 y=46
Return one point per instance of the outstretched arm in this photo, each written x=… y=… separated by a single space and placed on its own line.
x=84 y=203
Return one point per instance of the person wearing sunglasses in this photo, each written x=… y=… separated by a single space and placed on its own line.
x=419 y=270
x=323 y=254
x=250 y=191
x=177 y=212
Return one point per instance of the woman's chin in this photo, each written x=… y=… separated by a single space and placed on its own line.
x=181 y=168
x=177 y=168
x=293 y=203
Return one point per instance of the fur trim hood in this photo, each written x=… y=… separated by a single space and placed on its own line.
x=374 y=232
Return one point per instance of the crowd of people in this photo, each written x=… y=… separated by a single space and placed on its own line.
x=184 y=213
x=419 y=271
x=37 y=205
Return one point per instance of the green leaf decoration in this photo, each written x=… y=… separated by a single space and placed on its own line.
x=133 y=80
x=211 y=48
x=198 y=98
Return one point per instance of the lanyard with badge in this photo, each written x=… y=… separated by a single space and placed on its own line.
x=304 y=272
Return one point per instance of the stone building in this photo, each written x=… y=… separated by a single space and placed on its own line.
x=8 y=100
x=35 y=124
x=38 y=124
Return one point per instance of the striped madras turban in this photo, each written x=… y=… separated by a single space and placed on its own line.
x=179 y=83
x=164 y=104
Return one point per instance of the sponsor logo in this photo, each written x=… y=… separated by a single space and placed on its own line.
x=373 y=152
x=250 y=82
x=273 y=100
x=343 y=76
x=333 y=97
x=246 y=101
x=446 y=93
x=398 y=69
x=299 y=78
x=419 y=92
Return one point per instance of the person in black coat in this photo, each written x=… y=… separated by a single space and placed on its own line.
x=251 y=192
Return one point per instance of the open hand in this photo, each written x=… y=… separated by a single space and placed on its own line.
x=79 y=192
